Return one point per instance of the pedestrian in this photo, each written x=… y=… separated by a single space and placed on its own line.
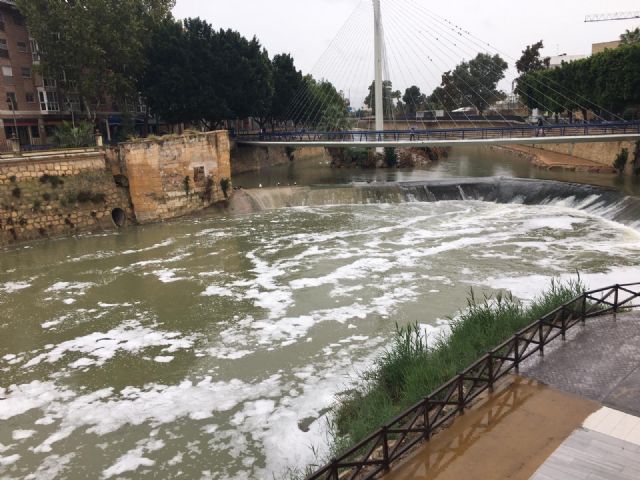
x=540 y=132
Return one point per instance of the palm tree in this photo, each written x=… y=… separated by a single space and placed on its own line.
x=630 y=37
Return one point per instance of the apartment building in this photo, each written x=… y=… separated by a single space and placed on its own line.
x=31 y=106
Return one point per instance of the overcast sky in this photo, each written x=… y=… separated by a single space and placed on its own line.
x=305 y=28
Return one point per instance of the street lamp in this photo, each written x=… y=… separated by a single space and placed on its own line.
x=12 y=106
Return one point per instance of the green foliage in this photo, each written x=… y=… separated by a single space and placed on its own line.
x=609 y=80
x=52 y=180
x=13 y=179
x=414 y=100
x=225 y=183
x=359 y=155
x=287 y=82
x=621 y=160
x=204 y=76
x=46 y=197
x=389 y=97
x=390 y=157
x=530 y=61
x=98 y=44
x=68 y=136
x=37 y=204
x=630 y=37
x=471 y=84
x=186 y=183
x=409 y=369
x=16 y=192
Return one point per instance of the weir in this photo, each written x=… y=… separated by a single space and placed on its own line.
x=608 y=203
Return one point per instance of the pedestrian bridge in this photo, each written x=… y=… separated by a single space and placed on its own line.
x=509 y=135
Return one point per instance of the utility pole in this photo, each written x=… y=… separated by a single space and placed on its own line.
x=379 y=98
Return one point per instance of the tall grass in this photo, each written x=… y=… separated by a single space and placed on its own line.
x=409 y=370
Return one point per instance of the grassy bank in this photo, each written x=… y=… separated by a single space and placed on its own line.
x=410 y=369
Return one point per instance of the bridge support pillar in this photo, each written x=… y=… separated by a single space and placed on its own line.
x=379 y=97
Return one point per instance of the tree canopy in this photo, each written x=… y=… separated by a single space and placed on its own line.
x=607 y=83
x=630 y=37
x=94 y=48
x=389 y=97
x=471 y=84
x=531 y=61
x=414 y=100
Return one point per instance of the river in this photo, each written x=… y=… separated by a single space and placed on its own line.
x=213 y=346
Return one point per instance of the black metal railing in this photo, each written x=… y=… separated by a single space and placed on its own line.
x=470 y=133
x=376 y=453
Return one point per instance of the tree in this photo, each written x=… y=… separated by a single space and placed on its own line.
x=198 y=75
x=471 y=84
x=287 y=84
x=414 y=99
x=630 y=37
x=606 y=83
x=530 y=61
x=94 y=48
x=388 y=97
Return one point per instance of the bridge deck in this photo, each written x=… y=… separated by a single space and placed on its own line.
x=509 y=135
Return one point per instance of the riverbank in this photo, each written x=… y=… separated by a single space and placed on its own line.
x=557 y=161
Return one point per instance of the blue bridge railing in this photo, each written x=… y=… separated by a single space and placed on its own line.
x=480 y=133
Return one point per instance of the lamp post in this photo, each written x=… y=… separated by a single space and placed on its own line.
x=12 y=106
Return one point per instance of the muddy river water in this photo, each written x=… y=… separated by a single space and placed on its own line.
x=212 y=346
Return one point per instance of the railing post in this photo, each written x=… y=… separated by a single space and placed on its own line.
x=541 y=337
x=490 y=368
x=461 y=394
x=385 y=449
x=334 y=469
x=583 y=314
x=564 y=327
x=516 y=356
x=615 y=299
x=427 y=421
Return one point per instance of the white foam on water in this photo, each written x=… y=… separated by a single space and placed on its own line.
x=52 y=467
x=22 y=434
x=134 y=459
x=11 y=287
x=359 y=269
x=99 y=347
x=168 y=275
x=78 y=288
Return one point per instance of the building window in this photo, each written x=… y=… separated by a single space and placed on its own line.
x=30 y=97
x=72 y=103
x=18 y=19
x=48 y=101
x=26 y=72
x=22 y=47
x=7 y=73
x=35 y=53
x=49 y=82
x=4 y=49
x=12 y=101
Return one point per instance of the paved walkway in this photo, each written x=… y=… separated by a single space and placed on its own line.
x=507 y=435
x=573 y=414
x=600 y=361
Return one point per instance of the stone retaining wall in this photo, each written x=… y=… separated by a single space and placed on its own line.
x=174 y=175
x=57 y=194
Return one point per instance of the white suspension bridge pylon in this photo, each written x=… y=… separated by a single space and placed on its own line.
x=449 y=42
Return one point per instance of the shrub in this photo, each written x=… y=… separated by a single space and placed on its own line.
x=16 y=192
x=225 y=183
x=53 y=180
x=68 y=136
x=621 y=160
x=46 y=197
x=186 y=183
x=390 y=157
x=37 y=204
x=13 y=179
